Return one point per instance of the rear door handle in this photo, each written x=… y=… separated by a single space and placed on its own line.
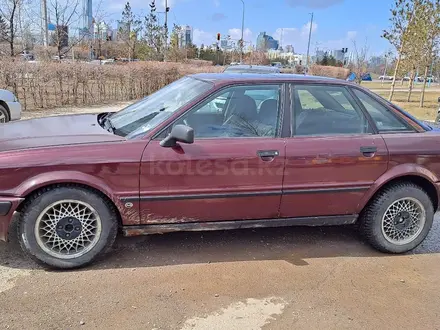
x=267 y=155
x=368 y=151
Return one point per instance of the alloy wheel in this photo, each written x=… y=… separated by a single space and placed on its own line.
x=68 y=229
x=403 y=221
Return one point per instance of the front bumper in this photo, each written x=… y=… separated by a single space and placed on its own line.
x=14 y=110
x=8 y=205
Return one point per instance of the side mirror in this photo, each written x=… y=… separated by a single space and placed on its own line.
x=179 y=133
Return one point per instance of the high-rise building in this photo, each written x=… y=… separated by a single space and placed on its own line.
x=87 y=18
x=186 y=36
x=266 y=42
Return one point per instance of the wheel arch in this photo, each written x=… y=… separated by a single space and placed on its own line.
x=68 y=178
x=422 y=181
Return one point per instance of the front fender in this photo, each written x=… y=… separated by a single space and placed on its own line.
x=399 y=171
x=49 y=178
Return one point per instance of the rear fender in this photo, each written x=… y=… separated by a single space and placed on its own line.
x=399 y=171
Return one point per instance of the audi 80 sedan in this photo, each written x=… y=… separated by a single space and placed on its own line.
x=220 y=151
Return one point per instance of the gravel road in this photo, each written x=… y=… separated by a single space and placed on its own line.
x=283 y=278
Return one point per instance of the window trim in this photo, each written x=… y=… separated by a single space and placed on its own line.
x=342 y=86
x=410 y=128
x=282 y=109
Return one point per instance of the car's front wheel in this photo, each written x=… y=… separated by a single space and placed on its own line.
x=398 y=219
x=67 y=226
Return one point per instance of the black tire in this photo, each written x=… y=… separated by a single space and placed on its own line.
x=437 y=119
x=4 y=112
x=371 y=218
x=37 y=203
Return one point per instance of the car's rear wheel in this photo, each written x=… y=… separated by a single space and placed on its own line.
x=437 y=119
x=67 y=227
x=398 y=219
x=4 y=115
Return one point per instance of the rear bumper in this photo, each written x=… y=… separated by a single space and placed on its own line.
x=8 y=205
x=14 y=110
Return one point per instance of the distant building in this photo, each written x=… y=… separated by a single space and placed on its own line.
x=225 y=44
x=320 y=55
x=377 y=61
x=101 y=31
x=290 y=49
x=123 y=32
x=87 y=19
x=186 y=36
x=338 y=55
x=114 y=34
x=266 y=42
x=59 y=36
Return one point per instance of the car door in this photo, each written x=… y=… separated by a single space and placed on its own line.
x=232 y=171
x=333 y=156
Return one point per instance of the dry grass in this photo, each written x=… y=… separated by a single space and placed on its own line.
x=387 y=84
x=428 y=112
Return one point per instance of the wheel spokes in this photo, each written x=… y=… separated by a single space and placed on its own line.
x=403 y=221
x=68 y=228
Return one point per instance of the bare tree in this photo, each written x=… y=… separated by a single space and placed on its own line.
x=401 y=32
x=9 y=12
x=360 y=63
x=130 y=26
x=65 y=13
x=101 y=28
x=155 y=35
x=431 y=46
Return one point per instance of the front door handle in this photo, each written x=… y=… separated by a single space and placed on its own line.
x=268 y=155
x=368 y=151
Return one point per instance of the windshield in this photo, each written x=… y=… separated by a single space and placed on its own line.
x=146 y=114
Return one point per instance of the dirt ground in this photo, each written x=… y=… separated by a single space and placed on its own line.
x=283 y=278
x=73 y=110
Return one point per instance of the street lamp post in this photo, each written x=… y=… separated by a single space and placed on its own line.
x=242 y=34
x=308 y=46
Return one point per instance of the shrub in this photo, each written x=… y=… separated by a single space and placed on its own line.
x=53 y=84
x=329 y=71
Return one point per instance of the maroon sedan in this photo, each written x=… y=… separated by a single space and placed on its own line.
x=220 y=151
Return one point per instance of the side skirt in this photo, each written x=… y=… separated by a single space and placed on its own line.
x=238 y=224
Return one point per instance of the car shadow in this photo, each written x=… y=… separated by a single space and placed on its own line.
x=294 y=245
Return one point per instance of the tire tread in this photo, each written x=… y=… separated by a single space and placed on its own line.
x=367 y=218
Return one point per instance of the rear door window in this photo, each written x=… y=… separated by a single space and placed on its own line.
x=327 y=110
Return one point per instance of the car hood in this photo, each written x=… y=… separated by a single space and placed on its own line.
x=54 y=131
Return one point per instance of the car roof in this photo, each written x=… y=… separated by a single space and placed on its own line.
x=246 y=77
x=250 y=66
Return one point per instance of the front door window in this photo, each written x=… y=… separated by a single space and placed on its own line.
x=240 y=111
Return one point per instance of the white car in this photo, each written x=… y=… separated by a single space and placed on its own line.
x=10 y=108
